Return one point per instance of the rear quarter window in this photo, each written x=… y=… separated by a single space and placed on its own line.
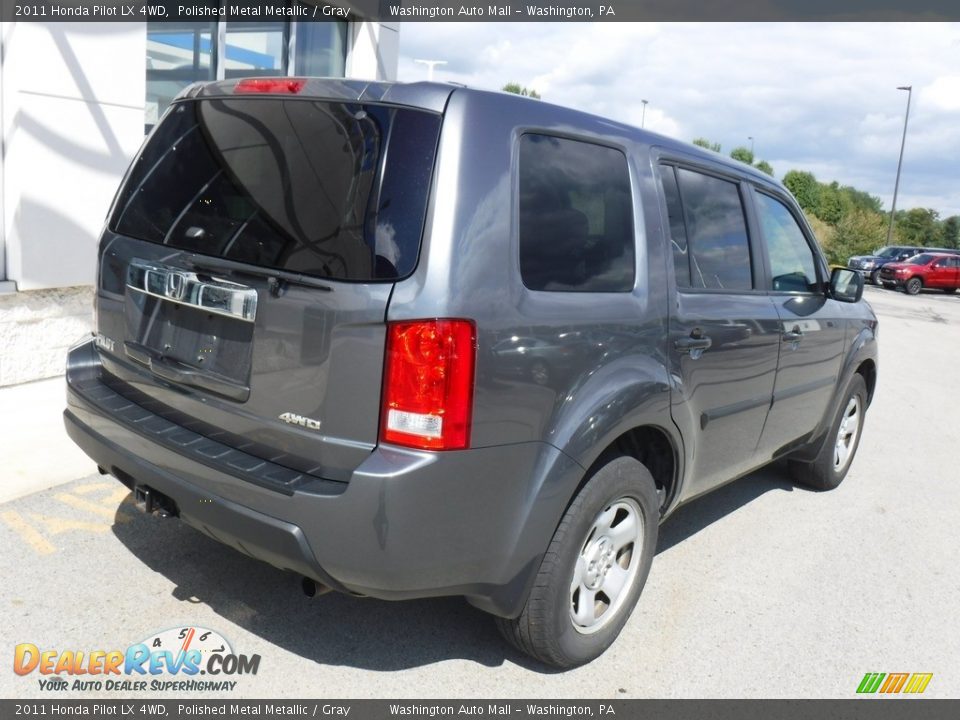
x=576 y=216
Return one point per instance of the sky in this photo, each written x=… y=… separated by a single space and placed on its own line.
x=814 y=96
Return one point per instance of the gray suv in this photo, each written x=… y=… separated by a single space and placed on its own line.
x=421 y=340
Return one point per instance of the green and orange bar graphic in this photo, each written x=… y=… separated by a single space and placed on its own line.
x=889 y=683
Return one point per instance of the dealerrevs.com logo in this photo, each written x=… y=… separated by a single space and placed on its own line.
x=894 y=683
x=176 y=660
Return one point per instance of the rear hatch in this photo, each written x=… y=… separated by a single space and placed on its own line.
x=247 y=266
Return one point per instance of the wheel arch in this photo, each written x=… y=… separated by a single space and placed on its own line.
x=653 y=447
x=868 y=368
x=862 y=360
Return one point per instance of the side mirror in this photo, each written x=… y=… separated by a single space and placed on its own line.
x=846 y=285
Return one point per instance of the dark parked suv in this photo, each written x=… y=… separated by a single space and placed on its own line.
x=419 y=340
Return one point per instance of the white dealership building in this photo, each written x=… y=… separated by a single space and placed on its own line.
x=76 y=99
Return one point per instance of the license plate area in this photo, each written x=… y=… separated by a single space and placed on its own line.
x=192 y=336
x=189 y=345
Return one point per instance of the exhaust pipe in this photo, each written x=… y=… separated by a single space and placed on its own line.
x=311 y=588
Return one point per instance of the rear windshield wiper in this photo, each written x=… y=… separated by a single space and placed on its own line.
x=277 y=279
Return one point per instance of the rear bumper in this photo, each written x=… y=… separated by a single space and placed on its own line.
x=408 y=524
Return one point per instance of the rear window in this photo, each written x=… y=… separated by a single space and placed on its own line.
x=716 y=232
x=294 y=184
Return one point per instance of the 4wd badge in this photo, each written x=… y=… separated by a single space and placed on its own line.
x=294 y=419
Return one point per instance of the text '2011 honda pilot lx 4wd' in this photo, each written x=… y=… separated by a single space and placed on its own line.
x=419 y=340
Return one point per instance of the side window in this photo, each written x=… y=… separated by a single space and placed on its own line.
x=678 y=231
x=716 y=232
x=576 y=221
x=792 y=264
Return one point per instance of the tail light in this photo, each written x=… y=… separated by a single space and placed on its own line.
x=289 y=86
x=428 y=384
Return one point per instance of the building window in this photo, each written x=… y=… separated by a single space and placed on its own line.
x=178 y=54
x=321 y=49
x=181 y=53
x=258 y=48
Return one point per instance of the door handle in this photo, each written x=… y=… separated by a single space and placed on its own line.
x=695 y=342
x=792 y=336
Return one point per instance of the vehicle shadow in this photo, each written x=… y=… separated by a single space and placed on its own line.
x=364 y=633
x=690 y=519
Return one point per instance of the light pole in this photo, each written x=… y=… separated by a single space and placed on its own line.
x=643 y=114
x=750 y=138
x=431 y=64
x=903 y=142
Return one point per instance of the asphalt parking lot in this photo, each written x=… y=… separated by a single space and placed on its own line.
x=758 y=590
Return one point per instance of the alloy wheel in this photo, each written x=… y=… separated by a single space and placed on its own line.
x=607 y=566
x=847 y=434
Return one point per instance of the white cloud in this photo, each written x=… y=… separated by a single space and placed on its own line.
x=943 y=93
x=812 y=95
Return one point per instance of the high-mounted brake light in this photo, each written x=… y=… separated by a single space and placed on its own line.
x=428 y=384
x=290 y=86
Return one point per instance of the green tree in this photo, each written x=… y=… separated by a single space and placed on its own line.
x=742 y=154
x=861 y=200
x=951 y=232
x=764 y=166
x=822 y=231
x=859 y=232
x=831 y=207
x=805 y=189
x=517 y=89
x=918 y=226
x=704 y=143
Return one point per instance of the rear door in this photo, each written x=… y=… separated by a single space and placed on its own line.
x=724 y=331
x=813 y=329
x=954 y=282
x=247 y=267
x=941 y=273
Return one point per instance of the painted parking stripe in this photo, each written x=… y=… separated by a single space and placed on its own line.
x=27 y=533
x=81 y=504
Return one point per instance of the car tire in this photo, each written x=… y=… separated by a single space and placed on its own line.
x=913 y=286
x=839 y=447
x=875 y=277
x=614 y=512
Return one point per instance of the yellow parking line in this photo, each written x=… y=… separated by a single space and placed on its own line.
x=34 y=539
x=93 y=487
x=81 y=504
x=55 y=525
x=119 y=494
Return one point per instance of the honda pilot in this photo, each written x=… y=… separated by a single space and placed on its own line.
x=415 y=340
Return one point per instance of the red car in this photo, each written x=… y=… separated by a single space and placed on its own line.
x=934 y=270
